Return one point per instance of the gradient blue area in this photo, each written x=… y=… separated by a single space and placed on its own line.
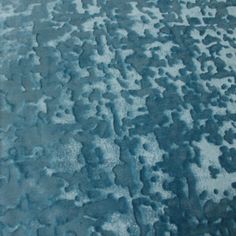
x=118 y=118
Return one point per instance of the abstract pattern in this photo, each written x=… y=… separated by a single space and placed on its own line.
x=118 y=117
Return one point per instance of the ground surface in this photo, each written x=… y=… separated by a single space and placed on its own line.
x=118 y=117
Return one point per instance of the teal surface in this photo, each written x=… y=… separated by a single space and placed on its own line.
x=117 y=118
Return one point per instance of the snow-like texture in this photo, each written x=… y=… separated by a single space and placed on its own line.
x=118 y=117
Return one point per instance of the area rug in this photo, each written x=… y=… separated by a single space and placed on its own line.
x=117 y=118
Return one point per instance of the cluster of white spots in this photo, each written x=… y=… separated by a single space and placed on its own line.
x=107 y=55
x=138 y=25
x=65 y=157
x=63 y=117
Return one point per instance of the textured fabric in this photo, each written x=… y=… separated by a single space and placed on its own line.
x=118 y=118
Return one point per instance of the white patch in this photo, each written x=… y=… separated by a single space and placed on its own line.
x=232 y=11
x=209 y=156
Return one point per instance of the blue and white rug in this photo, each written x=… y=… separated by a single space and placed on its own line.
x=118 y=118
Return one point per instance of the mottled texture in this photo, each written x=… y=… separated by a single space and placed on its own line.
x=118 y=118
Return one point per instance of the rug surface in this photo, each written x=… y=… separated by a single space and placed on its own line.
x=117 y=118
